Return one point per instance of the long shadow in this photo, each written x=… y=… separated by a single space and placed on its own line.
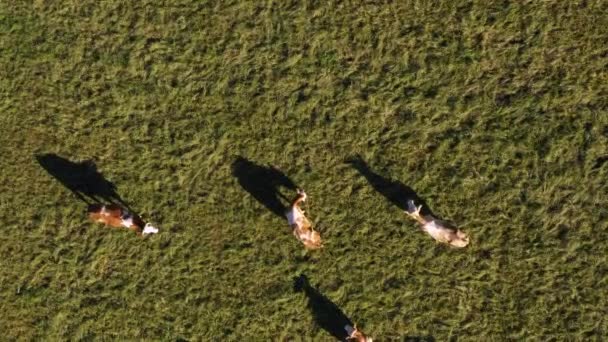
x=330 y=317
x=325 y=312
x=396 y=192
x=82 y=178
x=263 y=183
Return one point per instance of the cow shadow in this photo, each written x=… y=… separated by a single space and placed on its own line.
x=396 y=192
x=82 y=178
x=325 y=312
x=263 y=183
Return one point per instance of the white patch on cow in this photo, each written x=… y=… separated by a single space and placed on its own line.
x=127 y=221
x=432 y=228
x=294 y=216
x=149 y=229
x=349 y=329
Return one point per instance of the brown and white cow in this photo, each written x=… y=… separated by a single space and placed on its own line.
x=356 y=335
x=440 y=230
x=301 y=226
x=116 y=216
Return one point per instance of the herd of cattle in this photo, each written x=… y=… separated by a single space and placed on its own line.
x=117 y=215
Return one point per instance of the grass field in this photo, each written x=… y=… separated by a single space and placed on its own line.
x=493 y=112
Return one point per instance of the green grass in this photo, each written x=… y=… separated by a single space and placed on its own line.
x=494 y=113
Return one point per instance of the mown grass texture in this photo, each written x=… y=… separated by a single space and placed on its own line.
x=494 y=112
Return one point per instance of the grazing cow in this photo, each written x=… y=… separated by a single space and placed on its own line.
x=355 y=334
x=115 y=216
x=302 y=228
x=440 y=230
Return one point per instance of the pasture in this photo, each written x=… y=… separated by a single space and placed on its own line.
x=205 y=116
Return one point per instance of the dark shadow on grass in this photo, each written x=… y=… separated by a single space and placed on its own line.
x=82 y=178
x=263 y=183
x=330 y=317
x=599 y=162
x=325 y=312
x=394 y=191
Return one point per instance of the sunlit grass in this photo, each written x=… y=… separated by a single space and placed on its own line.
x=494 y=113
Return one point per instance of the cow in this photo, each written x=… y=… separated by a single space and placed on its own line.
x=113 y=215
x=300 y=225
x=440 y=230
x=356 y=335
